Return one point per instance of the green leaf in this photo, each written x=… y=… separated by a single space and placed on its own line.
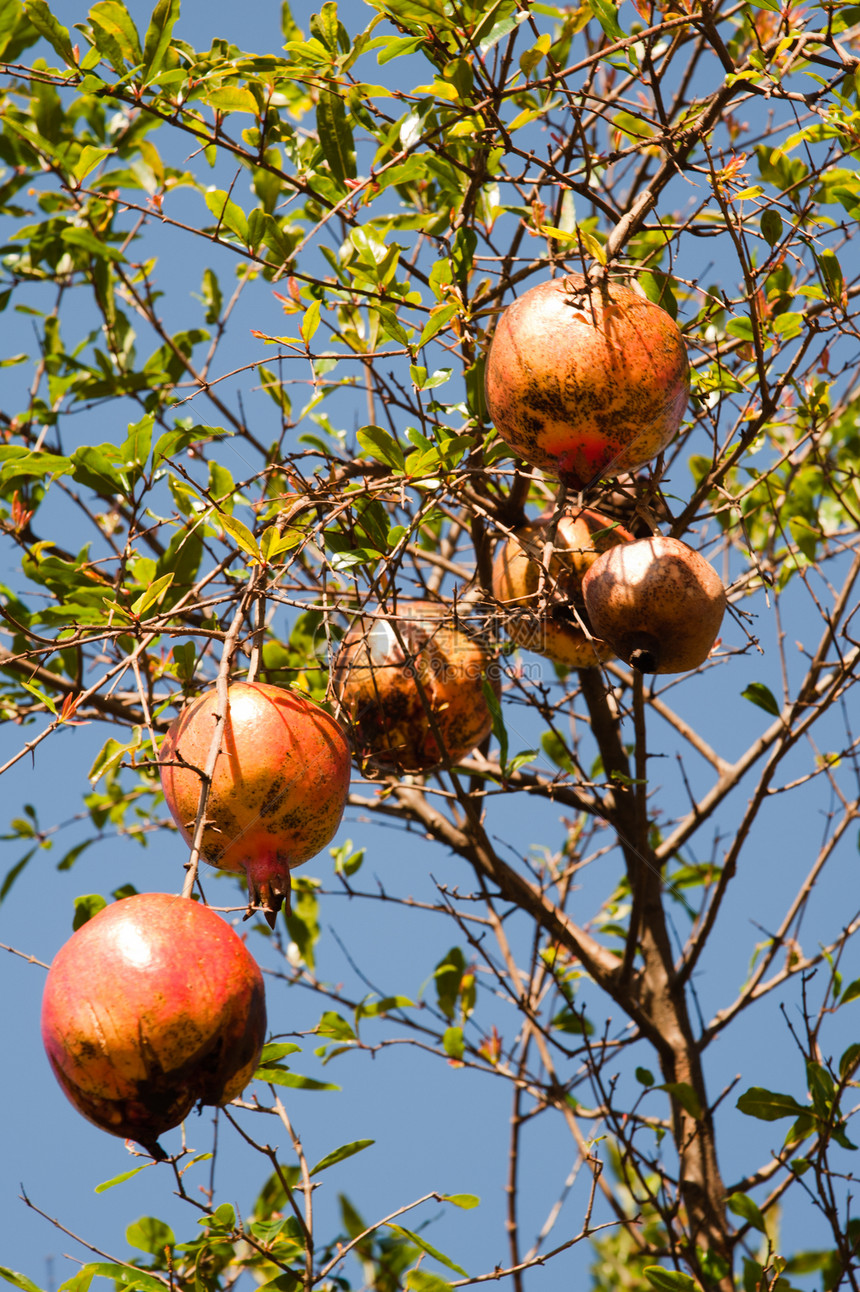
x=771 y=225
x=769 y=1106
x=758 y=693
x=644 y=1076
x=335 y=135
x=669 y=1280
x=86 y=906
x=429 y=1249
x=19 y=1280
x=232 y=98
x=150 y=1235
x=340 y=1154
x=89 y=159
x=153 y=593
x=79 y=1282
x=851 y=992
x=114 y=19
x=242 y=534
x=279 y=1077
x=424 y=1281
x=381 y=445
x=376 y=1008
x=336 y=1027
x=741 y=1204
x=440 y=317
x=468 y=1201
x=397 y=46
x=120 y=1179
x=500 y=731
x=15 y=871
x=448 y=975
x=311 y=321
x=285 y=1282
x=125 y=1276
x=158 y=35
x=227 y=212
x=42 y=18
x=849 y=1060
x=112 y=753
x=686 y=1097
x=452 y=1042
x=607 y=15
x=274 y=1051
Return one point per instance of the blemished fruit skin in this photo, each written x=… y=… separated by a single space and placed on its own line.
x=279 y=788
x=657 y=602
x=377 y=683
x=153 y=1005
x=554 y=631
x=584 y=381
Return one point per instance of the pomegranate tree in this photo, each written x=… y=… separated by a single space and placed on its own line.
x=278 y=790
x=657 y=602
x=584 y=380
x=543 y=590
x=152 y=1006
x=413 y=693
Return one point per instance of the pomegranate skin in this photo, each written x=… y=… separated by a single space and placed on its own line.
x=152 y=1006
x=584 y=381
x=554 y=631
x=279 y=787
x=657 y=602
x=378 y=688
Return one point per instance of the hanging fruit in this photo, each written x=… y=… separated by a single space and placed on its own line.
x=586 y=380
x=411 y=685
x=657 y=602
x=279 y=787
x=152 y=1006
x=547 y=608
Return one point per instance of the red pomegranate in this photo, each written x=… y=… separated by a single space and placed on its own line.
x=544 y=619
x=151 y=1006
x=586 y=380
x=390 y=693
x=279 y=787
x=657 y=602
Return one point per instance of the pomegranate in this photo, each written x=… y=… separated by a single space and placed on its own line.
x=279 y=787
x=151 y=1006
x=657 y=602
x=583 y=380
x=545 y=620
x=412 y=708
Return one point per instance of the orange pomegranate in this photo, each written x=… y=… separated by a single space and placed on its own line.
x=152 y=1006
x=548 y=620
x=415 y=701
x=586 y=380
x=279 y=787
x=657 y=602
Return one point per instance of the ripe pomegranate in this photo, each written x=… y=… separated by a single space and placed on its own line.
x=390 y=693
x=582 y=380
x=151 y=1006
x=279 y=787
x=657 y=602
x=545 y=621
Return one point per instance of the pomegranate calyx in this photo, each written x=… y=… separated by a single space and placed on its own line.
x=269 y=886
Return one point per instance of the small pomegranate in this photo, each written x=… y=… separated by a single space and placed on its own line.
x=584 y=380
x=279 y=787
x=390 y=693
x=151 y=1006
x=657 y=602
x=554 y=629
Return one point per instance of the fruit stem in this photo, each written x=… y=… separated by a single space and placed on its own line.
x=643 y=660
